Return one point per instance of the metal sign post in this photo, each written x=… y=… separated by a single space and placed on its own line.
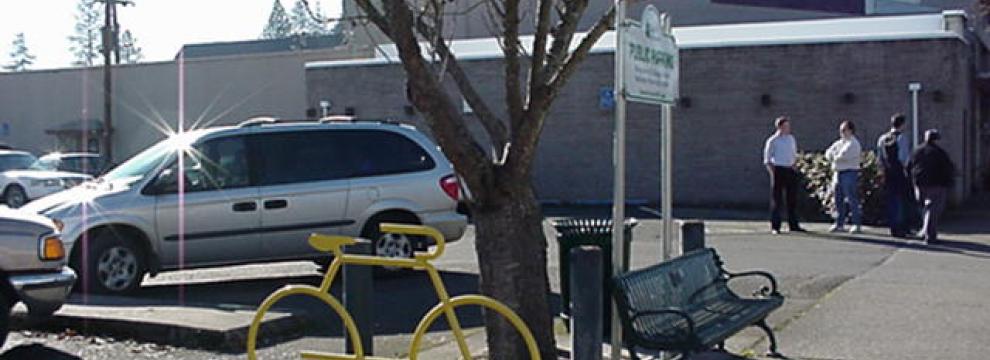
x=667 y=186
x=914 y=88
x=646 y=71
x=619 y=166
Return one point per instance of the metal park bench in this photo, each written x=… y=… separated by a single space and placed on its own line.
x=685 y=305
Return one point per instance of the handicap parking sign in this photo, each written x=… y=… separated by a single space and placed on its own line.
x=606 y=98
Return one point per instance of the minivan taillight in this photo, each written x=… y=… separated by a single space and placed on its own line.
x=450 y=186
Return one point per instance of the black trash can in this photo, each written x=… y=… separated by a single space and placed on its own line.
x=572 y=233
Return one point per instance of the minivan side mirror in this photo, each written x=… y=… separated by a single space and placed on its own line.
x=164 y=183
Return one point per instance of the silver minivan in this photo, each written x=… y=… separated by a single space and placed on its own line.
x=253 y=193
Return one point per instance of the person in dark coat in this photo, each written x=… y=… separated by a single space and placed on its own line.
x=932 y=173
x=893 y=153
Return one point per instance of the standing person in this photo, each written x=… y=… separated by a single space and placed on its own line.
x=846 y=155
x=780 y=156
x=893 y=152
x=932 y=172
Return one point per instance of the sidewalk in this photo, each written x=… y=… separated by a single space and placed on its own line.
x=865 y=296
x=848 y=297
x=922 y=302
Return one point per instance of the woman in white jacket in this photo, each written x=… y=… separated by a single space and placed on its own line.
x=846 y=154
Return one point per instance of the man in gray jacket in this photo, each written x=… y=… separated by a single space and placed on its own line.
x=846 y=154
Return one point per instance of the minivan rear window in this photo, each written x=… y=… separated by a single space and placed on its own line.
x=299 y=156
x=304 y=156
x=376 y=153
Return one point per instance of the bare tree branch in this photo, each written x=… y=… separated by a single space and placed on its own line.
x=524 y=140
x=429 y=96
x=375 y=15
x=563 y=34
x=581 y=52
x=510 y=47
x=543 y=19
x=493 y=125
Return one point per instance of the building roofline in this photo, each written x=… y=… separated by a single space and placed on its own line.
x=795 y=32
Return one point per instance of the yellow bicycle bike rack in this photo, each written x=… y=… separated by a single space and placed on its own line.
x=421 y=262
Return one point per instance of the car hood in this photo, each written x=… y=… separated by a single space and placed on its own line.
x=45 y=174
x=87 y=192
x=17 y=215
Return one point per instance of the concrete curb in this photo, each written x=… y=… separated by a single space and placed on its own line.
x=185 y=326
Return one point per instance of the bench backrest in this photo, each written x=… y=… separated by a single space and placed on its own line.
x=671 y=283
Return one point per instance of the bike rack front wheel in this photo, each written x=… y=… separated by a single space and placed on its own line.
x=479 y=300
x=304 y=290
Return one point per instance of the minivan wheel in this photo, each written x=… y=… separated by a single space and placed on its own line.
x=389 y=245
x=14 y=196
x=394 y=246
x=116 y=266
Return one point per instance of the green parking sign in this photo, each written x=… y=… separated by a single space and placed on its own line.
x=651 y=73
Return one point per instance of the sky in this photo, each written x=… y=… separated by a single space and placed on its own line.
x=160 y=26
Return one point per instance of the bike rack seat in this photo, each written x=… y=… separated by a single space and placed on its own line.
x=328 y=243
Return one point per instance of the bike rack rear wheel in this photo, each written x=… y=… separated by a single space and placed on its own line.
x=478 y=300
x=304 y=290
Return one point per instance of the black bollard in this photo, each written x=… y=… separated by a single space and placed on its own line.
x=358 y=287
x=586 y=303
x=692 y=235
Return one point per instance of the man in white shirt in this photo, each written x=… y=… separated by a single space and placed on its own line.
x=780 y=156
x=846 y=155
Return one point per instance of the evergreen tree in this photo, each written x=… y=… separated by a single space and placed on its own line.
x=86 y=42
x=20 y=58
x=304 y=23
x=321 y=25
x=130 y=53
x=279 y=25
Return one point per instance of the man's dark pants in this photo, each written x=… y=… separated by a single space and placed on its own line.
x=899 y=202
x=784 y=185
x=933 y=199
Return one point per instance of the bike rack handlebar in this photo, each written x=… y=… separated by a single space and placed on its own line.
x=421 y=231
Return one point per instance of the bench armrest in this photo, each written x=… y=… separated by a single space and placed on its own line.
x=772 y=291
x=668 y=311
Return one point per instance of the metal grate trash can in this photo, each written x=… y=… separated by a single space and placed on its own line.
x=572 y=233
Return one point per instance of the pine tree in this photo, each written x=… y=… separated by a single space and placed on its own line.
x=304 y=23
x=130 y=53
x=86 y=42
x=318 y=26
x=20 y=58
x=279 y=25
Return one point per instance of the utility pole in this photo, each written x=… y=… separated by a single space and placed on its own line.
x=110 y=41
x=116 y=36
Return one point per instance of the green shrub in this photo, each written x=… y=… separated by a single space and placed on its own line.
x=817 y=181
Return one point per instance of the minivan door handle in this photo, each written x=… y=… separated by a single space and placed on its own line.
x=245 y=206
x=276 y=204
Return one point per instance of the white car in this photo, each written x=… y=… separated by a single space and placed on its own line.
x=22 y=183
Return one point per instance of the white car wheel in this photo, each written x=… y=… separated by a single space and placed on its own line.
x=14 y=197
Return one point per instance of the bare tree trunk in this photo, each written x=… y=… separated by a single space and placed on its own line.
x=512 y=253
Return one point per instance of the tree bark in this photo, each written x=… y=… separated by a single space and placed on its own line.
x=512 y=253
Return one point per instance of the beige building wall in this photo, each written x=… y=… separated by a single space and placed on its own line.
x=218 y=91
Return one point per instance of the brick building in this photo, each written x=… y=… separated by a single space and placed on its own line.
x=734 y=80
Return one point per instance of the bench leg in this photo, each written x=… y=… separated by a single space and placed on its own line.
x=632 y=351
x=773 y=340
